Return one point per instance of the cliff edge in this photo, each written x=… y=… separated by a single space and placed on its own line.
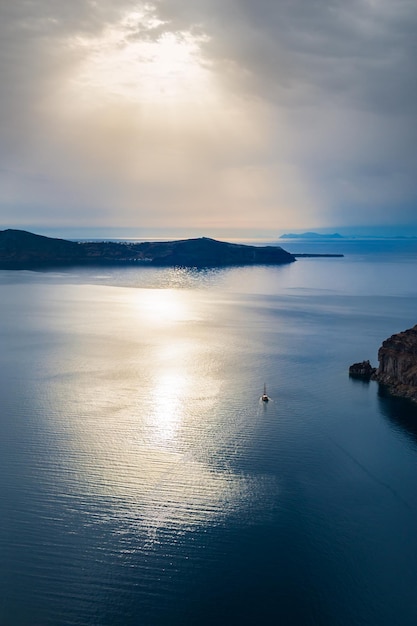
x=398 y=364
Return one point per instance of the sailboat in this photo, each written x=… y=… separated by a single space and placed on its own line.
x=264 y=396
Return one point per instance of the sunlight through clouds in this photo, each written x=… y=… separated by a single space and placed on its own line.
x=141 y=60
x=207 y=115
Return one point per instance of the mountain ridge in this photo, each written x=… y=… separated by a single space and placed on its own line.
x=20 y=249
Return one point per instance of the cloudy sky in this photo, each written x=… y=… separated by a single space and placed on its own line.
x=208 y=115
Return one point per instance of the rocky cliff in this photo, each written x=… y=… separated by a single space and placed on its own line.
x=398 y=364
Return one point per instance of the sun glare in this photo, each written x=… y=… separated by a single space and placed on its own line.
x=142 y=60
x=167 y=414
x=163 y=306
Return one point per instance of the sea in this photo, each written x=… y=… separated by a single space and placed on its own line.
x=143 y=482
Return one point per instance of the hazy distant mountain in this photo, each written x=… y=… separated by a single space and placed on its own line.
x=23 y=250
x=310 y=235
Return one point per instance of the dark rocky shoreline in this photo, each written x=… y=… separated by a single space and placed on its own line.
x=397 y=369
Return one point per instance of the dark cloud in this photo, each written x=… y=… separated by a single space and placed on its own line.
x=360 y=51
x=340 y=75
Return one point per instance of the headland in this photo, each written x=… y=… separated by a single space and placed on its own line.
x=21 y=249
x=397 y=369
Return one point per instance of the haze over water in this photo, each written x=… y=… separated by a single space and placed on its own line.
x=142 y=481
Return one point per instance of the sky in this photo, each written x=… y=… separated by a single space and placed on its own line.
x=208 y=116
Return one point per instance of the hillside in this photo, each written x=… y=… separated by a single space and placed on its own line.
x=24 y=250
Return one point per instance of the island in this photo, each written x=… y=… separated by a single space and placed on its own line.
x=311 y=236
x=397 y=369
x=315 y=237
x=21 y=249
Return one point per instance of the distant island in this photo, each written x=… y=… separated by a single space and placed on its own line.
x=20 y=249
x=310 y=235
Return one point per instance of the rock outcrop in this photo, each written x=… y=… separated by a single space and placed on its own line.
x=398 y=364
x=362 y=370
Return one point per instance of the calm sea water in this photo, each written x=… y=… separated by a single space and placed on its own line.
x=143 y=482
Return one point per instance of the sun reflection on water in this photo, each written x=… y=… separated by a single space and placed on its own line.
x=137 y=402
x=168 y=397
x=164 y=306
x=144 y=431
